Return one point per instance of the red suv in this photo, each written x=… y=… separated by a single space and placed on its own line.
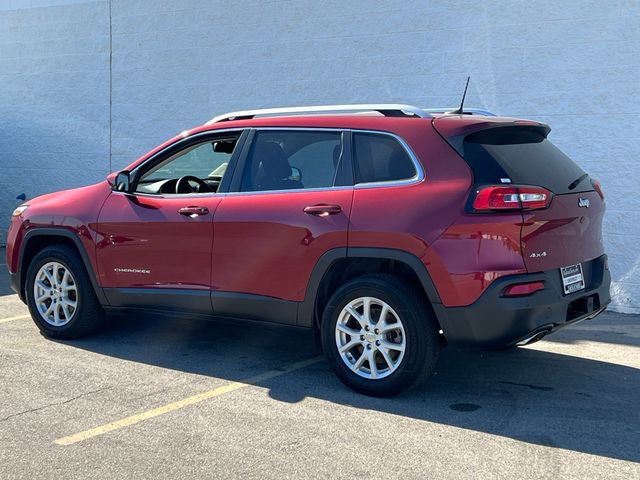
x=387 y=229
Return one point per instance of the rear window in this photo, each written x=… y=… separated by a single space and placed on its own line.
x=522 y=155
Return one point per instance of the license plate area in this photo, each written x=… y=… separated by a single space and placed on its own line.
x=572 y=278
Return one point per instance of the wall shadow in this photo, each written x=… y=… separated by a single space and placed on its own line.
x=529 y=395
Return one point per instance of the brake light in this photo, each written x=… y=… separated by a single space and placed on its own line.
x=597 y=186
x=523 y=289
x=511 y=198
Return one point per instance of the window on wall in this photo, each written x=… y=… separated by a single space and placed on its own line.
x=380 y=158
x=292 y=159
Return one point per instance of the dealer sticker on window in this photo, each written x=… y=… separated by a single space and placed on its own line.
x=572 y=278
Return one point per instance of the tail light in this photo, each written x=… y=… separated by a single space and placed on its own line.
x=498 y=197
x=597 y=186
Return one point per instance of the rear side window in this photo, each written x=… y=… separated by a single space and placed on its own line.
x=380 y=158
x=292 y=159
x=522 y=155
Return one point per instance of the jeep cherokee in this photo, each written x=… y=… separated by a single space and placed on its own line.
x=387 y=229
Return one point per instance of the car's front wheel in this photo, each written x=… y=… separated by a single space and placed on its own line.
x=60 y=296
x=379 y=335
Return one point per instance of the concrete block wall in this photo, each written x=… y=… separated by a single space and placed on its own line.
x=54 y=98
x=176 y=63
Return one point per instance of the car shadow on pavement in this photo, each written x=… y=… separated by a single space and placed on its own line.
x=5 y=287
x=534 y=396
x=623 y=330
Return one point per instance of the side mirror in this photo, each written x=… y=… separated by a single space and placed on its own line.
x=122 y=182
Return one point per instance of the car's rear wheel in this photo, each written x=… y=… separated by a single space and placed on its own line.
x=379 y=335
x=60 y=295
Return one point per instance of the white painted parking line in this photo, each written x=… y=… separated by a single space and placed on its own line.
x=11 y=319
x=170 y=407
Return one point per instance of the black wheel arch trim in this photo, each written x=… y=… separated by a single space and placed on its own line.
x=307 y=310
x=58 y=232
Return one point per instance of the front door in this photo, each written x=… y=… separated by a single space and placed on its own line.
x=291 y=206
x=155 y=245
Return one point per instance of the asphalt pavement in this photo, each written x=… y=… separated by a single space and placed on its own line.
x=161 y=397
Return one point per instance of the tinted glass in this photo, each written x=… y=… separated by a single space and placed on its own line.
x=203 y=160
x=284 y=160
x=522 y=155
x=380 y=158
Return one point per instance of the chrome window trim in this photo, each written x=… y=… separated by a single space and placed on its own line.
x=190 y=137
x=417 y=178
x=155 y=155
x=292 y=190
x=170 y=195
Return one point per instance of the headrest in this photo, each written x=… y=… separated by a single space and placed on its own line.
x=274 y=161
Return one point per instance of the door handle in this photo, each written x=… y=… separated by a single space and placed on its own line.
x=193 y=211
x=322 y=210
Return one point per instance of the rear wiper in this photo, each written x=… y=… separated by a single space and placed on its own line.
x=577 y=181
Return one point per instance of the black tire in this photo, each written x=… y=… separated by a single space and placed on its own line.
x=420 y=327
x=88 y=316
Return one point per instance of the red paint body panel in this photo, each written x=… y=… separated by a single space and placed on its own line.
x=148 y=234
x=75 y=210
x=564 y=234
x=266 y=245
x=463 y=253
x=472 y=253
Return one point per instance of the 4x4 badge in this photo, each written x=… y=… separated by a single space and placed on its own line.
x=584 y=202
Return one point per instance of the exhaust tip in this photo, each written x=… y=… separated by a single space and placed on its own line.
x=533 y=338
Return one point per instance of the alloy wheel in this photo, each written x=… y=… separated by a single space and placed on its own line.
x=370 y=337
x=55 y=293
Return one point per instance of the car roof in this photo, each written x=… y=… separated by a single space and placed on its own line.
x=447 y=124
x=457 y=122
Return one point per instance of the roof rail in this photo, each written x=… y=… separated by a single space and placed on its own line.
x=386 y=109
x=466 y=111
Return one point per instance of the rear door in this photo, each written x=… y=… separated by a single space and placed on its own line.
x=569 y=231
x=289 y=205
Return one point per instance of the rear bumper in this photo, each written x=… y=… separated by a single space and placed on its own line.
x=497 y=321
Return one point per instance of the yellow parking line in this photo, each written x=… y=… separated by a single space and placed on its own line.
x=170 y=407
x=11 y=319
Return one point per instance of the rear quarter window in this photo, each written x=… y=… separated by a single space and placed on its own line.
x=380 y=158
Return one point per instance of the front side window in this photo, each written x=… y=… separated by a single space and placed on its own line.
x=292 y=159
x=197 y=168
x=380 y=158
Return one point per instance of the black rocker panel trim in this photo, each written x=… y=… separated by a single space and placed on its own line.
x=254 y=307
x=167 y=299
x=205 y=302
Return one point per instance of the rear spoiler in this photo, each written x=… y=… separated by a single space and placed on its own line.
x=466 y=111
x=455 y=129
